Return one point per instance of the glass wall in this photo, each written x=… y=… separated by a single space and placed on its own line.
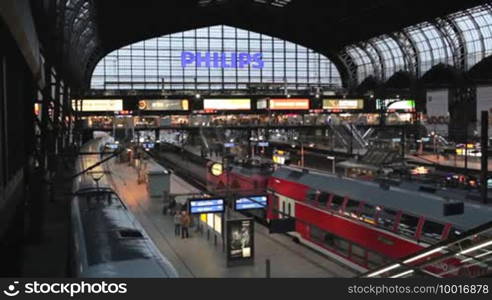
x=434 y=42
x=158 y=63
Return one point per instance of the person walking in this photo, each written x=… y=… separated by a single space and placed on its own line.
x=177 y=223
x=185 y=225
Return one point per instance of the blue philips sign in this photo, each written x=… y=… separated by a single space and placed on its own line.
x=251 y=202
x=218 y=60
x=206 y=206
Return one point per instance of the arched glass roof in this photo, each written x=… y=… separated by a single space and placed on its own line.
x=157 y=63
x=461 y=40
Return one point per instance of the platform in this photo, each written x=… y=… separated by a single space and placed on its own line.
x=199 y=257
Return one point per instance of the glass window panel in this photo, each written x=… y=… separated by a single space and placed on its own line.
x=160 y=57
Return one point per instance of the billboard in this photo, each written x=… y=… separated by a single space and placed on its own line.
x=397 y=104
x=205 y=206
x=251 y=202
x=289 y=104
x=98 y=105
x=227 y=104
x=164 y=105
x=343 y=104
x=240 y=241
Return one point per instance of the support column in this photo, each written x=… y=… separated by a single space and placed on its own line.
x=485 y=151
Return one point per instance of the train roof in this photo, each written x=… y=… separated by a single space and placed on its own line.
x=397 y=198
x=114 y=239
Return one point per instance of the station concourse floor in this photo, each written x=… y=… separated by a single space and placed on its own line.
x=199 y=257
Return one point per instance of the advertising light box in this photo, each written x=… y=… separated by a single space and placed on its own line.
x=289 y=104
x=345 y=104
x=251 y=202
x=240 y=242
x=227 y=104
x=205 y=206
x=95 y=105
x=164 y=105
x=396 y=104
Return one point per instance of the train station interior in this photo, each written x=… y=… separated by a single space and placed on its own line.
x=245 y=139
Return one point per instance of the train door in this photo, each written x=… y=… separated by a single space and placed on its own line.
x=287 y=207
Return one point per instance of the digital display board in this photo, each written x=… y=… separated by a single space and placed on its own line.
x=205 y=206
x=263 y=144
x=396 y=104
x=227 y=104
x=289 y=104
x=98 y=105
x=343 y=104
x=251 y=202
x=164 y=105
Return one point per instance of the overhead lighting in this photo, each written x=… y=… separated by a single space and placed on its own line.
x=476 y=257
x=403 y=274
x=392 y=267
x=198 y=96
x=478 y=247
x=423 y=255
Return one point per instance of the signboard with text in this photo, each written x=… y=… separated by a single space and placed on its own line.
x=222 y=60
x=227 y=104
x=289 y=104
x=98 y=105
x=164 y=105
x=343 y=104
x=250 y=203
x=205 y=206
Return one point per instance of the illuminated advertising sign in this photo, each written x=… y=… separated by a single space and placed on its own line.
x=289 y=104
x=206 y=206
x=164 y=105
x=349 y=104
x=95 y=105
x=218 y=60
x=250 y=202
x=240 y=241
x=227 y=104
x=396 y=104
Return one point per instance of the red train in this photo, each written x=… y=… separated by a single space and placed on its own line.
x=360 y=223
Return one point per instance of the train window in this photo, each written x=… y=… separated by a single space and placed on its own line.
x=329 y=240
x=358 y=254
x=289 y=210
x=312 y=195
x=375 y=260
x=454 y=233
x=408 y=225
x=352 y=208
x=323 y=198
x=432 y=230
x=337 y=202
x=368 y=213
x=316 y=234
x=342 y=246
x=387 y=218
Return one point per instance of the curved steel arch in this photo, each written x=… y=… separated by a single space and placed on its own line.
x=409 y=50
